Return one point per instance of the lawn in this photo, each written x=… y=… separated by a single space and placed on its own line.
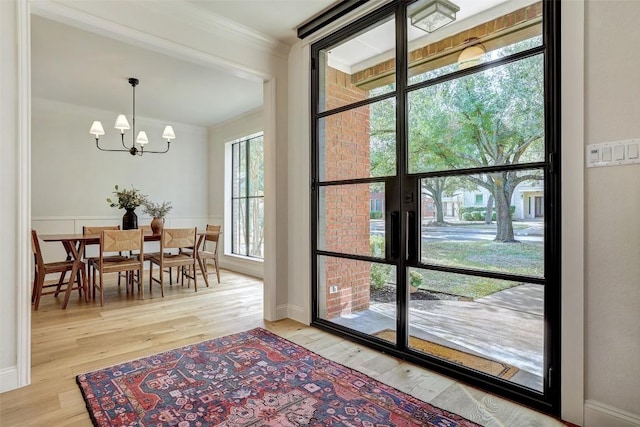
x=514 y=258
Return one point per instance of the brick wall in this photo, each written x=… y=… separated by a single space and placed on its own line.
x=346 y=216
x=384 y=72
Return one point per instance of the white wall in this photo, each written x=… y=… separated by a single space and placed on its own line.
x=72 y=178
x=219 y=208
x=612 y=284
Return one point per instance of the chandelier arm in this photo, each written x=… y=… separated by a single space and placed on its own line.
x=123 y=144
x=157 y=152
x=109 y=149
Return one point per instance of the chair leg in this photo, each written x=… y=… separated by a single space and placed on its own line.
x=161 y=281
x=60 y=282
x=151 y=278
x=195 y=275
x=35 y=285
x=203 y=268
x=101 y=290
x=39 y=286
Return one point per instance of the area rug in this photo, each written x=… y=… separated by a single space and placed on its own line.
x=253 y=378
x=479 y=363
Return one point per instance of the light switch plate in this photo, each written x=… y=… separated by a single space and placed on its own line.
x=613 y=153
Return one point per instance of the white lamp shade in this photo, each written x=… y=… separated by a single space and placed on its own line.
x=142 y=138
x=96 y=129
x=471 y=56
x=168 y=133
x=122 y=123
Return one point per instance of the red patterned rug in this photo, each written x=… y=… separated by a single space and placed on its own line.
x=253 y=378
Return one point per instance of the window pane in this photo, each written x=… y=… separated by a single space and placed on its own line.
x=256 y=227
x=513 y=31
x=490 y=325
x=256 y=166
x=238 y=242
x=235 y=149
x=494 y=117
x=242 y=169
x=358 y=294
x=503 y=236
x=359 y=143
x=345 y=223
x=347 y=74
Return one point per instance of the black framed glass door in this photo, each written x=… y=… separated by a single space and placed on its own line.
x=435 y=199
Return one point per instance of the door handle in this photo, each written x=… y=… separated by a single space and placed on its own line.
x=395 y=234
x=410 y=245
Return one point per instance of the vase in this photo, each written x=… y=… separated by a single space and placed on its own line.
x=157 y=224
x=130 y=219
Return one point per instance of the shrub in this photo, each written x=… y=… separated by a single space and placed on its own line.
x=415 y=278
x=379 y=275
x=375 y=215
x=376 y=244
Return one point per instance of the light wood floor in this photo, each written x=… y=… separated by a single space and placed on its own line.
x=85 y=337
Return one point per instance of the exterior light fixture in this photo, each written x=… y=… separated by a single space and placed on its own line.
x=429 y=15
x=122 y=124
x=471 y=54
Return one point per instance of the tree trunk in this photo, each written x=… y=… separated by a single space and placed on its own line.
x=503 y=213
x=437 y=203
x=489 y=214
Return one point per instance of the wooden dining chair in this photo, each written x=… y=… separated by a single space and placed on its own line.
x=120 y=241
x=93 y=260
x=209 y=251
x=172 y=239
x=148 y=255
x=42 y=269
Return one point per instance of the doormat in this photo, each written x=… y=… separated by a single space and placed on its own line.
x=479 y=363
x=253 y=378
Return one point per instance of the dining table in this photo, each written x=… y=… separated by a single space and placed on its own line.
x=74 y=245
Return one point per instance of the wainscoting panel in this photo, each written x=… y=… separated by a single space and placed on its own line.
x=53 y=251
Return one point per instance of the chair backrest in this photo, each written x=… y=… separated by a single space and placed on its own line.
x=35 y=248
x=145 y=228
x=96 y=230
x=178 y=238
x=120 y=241
x=213 y=237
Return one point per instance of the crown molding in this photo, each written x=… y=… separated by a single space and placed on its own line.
x=57 y=11
x=219 y=26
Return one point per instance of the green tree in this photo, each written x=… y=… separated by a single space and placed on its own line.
x=494 y=117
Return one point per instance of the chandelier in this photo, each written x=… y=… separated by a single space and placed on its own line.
x=122 y=124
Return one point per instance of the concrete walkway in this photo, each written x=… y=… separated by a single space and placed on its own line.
x=506 y=326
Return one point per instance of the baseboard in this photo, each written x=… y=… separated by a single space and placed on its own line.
x=8 y=379
x=240 y=266
x=297 y=313
x=598 y=414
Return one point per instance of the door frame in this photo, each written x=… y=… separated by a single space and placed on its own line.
x=550 y=402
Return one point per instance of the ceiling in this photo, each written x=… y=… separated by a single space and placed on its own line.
x=78 y=67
